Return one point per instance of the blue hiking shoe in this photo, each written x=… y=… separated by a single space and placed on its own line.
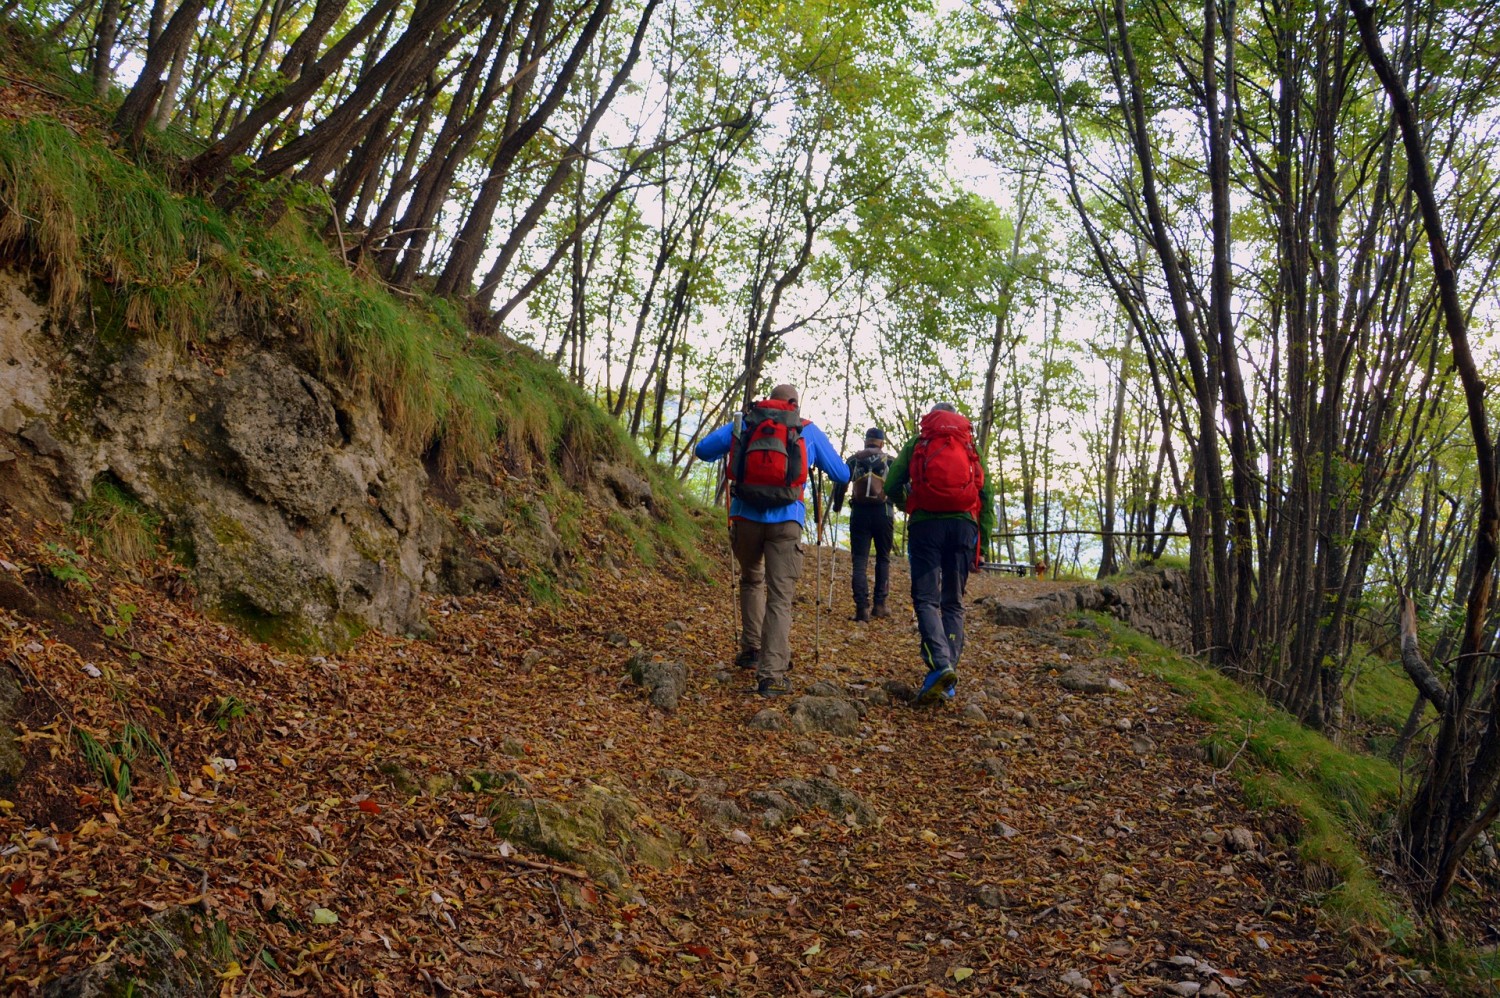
x=939 y=685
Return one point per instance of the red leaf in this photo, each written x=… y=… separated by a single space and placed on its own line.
x=369 y=807
x=18 y=887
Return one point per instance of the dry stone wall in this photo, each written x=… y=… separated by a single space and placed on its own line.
x=1156 y=603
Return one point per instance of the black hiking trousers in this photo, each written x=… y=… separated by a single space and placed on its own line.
x=867 y=524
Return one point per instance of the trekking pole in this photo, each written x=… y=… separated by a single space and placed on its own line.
x=818 y=557
x=833 y=558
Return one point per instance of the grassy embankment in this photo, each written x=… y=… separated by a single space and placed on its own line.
x=1345 y=801
x=115 y=245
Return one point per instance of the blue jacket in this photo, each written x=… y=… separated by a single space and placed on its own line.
x=820 y=454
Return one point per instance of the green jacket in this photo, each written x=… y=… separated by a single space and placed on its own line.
x=898 y=481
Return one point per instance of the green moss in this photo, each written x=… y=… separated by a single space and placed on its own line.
x=277 y=630
x=602 y=831
x=1381 y=694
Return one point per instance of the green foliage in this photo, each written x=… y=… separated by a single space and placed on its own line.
x=226 y=710
x=114 y=761
x=124 y=614
x=65 y=565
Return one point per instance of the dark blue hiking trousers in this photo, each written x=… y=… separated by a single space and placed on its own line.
x=941 y=554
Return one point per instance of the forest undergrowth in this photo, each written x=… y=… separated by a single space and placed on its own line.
x=362 y=823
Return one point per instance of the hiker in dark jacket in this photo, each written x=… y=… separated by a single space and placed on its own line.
x=872 y=519
x=766 y=520
x=950 y=514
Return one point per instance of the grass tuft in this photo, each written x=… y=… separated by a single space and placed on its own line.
x=121 y=528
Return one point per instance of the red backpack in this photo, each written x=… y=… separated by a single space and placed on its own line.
x=946 y=473
x=767 y=455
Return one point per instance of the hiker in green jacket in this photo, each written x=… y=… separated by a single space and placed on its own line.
x=950 y=515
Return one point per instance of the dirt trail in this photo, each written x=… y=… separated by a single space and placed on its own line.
x=1047 y=847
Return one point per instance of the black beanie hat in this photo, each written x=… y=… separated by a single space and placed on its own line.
x=874 y=433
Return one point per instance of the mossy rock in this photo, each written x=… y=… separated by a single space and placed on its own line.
x=604 y=832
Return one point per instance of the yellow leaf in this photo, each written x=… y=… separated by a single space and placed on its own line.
x=232 y=971
x=962 y=974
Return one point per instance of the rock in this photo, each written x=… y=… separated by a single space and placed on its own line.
x=615 y=639
x=1064 y=720
x=1111 y=882
x=825 y=795
x=1123 y=724
x=974 y=714
x=1185 y=988
x=1077 y=981
x=1115 y=686
x=1080 y=679
x=676 y=626
x=600 y=830
x=280 y=424
x=41 y=439
x=776 y=807
x=1003 y=830
x=993 y=767
x=830 y=714
x=1023 y=613
x=1211 y=837
x=664 y=681
x=769 y=719
x=718 y=811
x=1240 y=839
x=626 y=487
x=1142 y=744
x=532 y=658
x=989 y=896
x=676 y=778
x=823 y=688
x=899 y=691
x=876 y=697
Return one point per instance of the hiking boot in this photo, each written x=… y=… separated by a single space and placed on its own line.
x=747 y=659
x=861 y=615
x=769 y=687
x=881 y=611
x=940 y=684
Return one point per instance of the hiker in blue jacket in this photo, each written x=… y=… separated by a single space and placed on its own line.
x=766 y=520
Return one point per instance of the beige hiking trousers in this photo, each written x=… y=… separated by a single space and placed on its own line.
x=770 y=557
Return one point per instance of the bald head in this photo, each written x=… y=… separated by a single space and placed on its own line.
x=785 y=393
